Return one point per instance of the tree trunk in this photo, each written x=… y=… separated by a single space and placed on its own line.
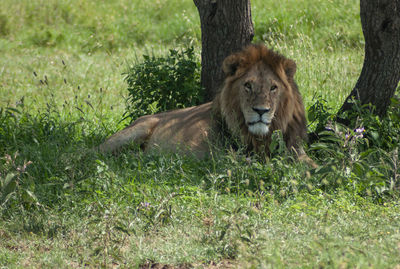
x=226 y=27
x=380 y=74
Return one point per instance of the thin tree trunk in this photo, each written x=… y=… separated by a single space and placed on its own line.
x=380 y=74
x=226 y=27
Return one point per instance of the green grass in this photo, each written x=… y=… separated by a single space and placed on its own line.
x=62 y=92
x=200 y=227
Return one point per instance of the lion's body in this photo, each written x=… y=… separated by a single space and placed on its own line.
x=183 y=129
x=259 y=96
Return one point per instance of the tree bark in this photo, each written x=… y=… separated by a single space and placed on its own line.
x=226 y=27
x=380 y=74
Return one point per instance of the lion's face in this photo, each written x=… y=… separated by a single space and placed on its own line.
x=258 y=91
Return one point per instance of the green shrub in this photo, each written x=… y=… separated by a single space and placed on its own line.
x=163 y=83
x=363 y=157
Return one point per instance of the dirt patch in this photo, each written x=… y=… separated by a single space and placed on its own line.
x=155 y=265
x=211 y=265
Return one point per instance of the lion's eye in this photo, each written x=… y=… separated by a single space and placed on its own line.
x=247 y=85
x=273 y=88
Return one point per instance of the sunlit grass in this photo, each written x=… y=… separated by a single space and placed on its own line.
x=101 y=39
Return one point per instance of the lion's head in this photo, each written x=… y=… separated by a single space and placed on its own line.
x=259 y=96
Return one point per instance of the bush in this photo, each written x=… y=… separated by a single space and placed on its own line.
x=163 y=83
x=363 y=157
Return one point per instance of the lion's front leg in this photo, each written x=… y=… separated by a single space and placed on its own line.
x=303 y=157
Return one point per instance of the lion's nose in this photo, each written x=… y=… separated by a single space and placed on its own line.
x=261 y=111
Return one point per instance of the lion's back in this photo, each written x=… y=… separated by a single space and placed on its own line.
x=185 y=129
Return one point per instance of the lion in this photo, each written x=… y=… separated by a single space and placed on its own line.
x=258 y=96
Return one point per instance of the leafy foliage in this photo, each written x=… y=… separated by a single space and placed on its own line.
x=363 y=158
x=163 y=83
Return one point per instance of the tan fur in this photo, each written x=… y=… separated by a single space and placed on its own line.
x=184 y=129
x=258 y=96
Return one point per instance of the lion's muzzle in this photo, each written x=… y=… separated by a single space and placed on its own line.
x=258 y=120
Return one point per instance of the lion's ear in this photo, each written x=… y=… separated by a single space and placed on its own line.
x=290 y=68
x=231 y=64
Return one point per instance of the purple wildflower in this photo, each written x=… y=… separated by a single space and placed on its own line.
x=359 y=132
x=145 y=204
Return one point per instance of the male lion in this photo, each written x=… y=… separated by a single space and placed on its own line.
x=259 y=95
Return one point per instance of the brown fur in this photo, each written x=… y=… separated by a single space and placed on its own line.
x=191 y=129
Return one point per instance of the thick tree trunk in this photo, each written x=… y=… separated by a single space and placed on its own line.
x=380 y=74
x=226 y=27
